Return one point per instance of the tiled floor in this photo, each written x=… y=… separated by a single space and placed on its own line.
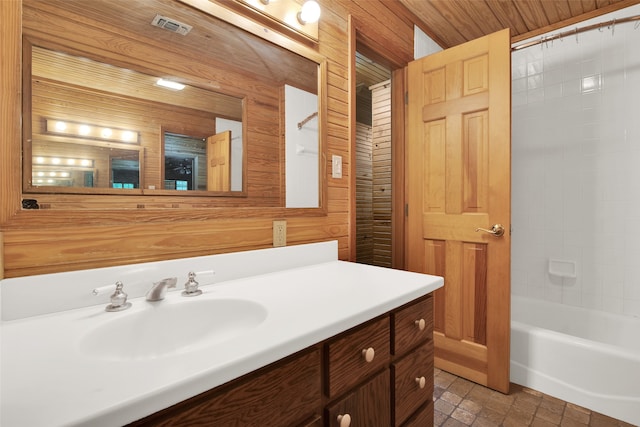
x=460 y=403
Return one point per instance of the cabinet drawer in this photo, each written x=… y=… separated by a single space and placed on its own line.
x=412 y=325
x=367 y=406
x=282 y=396
x=347 y=359
x=409 y=374
x=422 y=418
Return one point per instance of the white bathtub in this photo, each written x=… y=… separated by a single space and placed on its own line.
x=585 y=357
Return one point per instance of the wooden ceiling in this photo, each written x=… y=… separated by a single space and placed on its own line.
x=452 y=22
x=211 y=39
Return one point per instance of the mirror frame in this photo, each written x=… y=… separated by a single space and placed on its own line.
x=187 y=207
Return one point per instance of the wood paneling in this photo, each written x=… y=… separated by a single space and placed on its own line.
x=381 y=139
x=364 y=194
x=158 y=228
x=450 y=23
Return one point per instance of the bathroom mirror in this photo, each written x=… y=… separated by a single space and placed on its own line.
x=98 y=120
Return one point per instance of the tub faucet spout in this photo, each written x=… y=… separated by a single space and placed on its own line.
x=159 y=289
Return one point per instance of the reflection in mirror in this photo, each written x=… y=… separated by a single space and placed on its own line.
x=65 y=163
x=98 y=63
x=74 y=101
x=185 y=164
x=301 y=122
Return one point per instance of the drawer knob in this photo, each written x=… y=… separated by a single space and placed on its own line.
x=368 y=354
x=344 y=420
x=421 y=324
x=422 y=381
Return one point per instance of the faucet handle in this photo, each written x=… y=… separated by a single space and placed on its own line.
x=118 y=298
x=191 y=287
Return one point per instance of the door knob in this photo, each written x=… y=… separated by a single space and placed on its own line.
x=497 y=230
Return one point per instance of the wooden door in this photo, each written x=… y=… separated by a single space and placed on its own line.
x=458 y=180
x=219 y=162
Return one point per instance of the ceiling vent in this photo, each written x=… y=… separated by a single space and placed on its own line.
x=171 y=25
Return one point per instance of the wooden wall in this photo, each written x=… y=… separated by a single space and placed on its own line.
x=381 y=165
x=364 y=193
x=51 y=241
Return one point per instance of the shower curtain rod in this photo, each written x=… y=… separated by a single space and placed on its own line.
x=577 y=31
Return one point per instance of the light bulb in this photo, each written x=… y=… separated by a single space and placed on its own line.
x=310 y=12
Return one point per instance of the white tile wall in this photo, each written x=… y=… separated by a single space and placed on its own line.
x=576 y=167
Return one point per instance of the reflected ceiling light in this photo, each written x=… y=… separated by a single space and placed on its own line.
x=310 y=12
x=68 y=128
x=170 y=85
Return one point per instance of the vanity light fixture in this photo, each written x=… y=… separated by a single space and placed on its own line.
x=74 y=129
x=170 y=84
x=61 y=161
x=301 y=17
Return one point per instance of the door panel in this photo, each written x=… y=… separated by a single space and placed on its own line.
x=458 y=180
x=219 y=162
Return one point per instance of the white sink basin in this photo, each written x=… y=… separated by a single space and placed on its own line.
x=164 y=328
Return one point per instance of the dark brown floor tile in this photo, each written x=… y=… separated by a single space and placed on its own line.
x=478 y=394
x=491 y=415
x=599 y=420
x=460 y=387
x=568 y=422
x=519 y=417
x=525 y=406
x=443 y=379
x=483 y=422
x=497 y=405
x=462 y=403
x=552 y=404
x=466 y=418
x=444 y=407
x=454 y=399
x=470 y=406
x=439 y=418
x=451 y=422
x=548 y=415
x=576 y=413
x=539 y=422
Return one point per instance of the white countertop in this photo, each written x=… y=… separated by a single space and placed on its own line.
x=47 y=381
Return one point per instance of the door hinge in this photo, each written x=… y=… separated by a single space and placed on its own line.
x=406 y=98
x=406 y=209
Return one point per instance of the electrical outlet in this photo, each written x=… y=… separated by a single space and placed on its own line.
x=279 y=233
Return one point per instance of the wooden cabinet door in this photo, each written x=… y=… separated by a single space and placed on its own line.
x=367 y=406
x=458 y=180
x=413 y=382
x=282 y=395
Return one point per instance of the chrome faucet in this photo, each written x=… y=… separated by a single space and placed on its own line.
x=159 y=289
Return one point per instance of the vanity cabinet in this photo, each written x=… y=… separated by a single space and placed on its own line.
x=285 y=394
x=412 y=367
x=378 y=374
x=366 y=406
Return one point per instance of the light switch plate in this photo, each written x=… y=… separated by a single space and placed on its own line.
x=336 y=166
